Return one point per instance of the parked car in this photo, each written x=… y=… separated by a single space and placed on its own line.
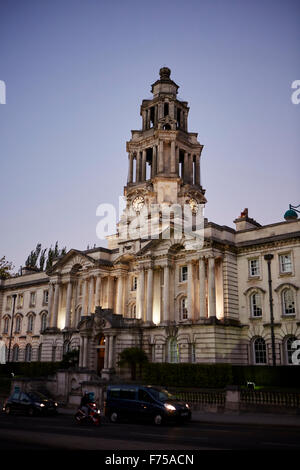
x=139 y=402
x=31 y=403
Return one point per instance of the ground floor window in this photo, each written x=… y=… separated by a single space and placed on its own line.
x=260 y=351
x=173 y=350
x=28 y=353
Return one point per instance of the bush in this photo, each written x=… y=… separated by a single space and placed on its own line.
x=220 y=375
x=29 y=369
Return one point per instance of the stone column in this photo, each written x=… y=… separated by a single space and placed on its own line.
x=85 y=352
x=55 y=305
x=185 y=167
x=97 y=293
x=202 y=296
x=91 y=295
x=177 y=161
x=160 y=156
x=197 y=170
x=166 y=309
x=50 y=305
x=144 y=165
x=119 y=308
x=74 y=304
x=111 y=352
x=154 y=162
x=68 y=304
x=211 y=287
x=149 y=295
x=81 y=352
x=105 y=366
x=173 y=156
x=110 y=292
x=191 y=169
x=138 y=167
x=141 y=292
x=130 y=167
x=83 y=299
x=190 y=289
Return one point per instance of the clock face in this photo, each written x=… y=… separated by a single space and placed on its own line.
x=138 y=203
x=193 y=205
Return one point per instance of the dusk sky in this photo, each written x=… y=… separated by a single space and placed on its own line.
x=76 y=73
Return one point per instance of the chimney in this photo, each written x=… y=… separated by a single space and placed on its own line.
x=243 y=222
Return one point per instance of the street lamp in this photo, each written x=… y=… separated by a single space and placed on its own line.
x=268 y=258
x=11 y=327
x=291 y=214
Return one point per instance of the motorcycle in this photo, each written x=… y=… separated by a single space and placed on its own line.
x=92 y=417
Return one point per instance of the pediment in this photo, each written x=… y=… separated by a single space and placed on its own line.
x=71 y=263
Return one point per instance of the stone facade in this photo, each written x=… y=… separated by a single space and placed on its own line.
x=205 y=302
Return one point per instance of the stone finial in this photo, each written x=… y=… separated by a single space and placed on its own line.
x=164 y=73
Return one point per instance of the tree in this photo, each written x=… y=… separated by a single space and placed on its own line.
x=5 y=268
x=39 y=260
x=133 y=357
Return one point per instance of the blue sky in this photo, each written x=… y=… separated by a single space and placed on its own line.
x=76 y=73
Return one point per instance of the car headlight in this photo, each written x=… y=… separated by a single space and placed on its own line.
x=170 y=407
x=55 y=404
x=187 y=405
x=41 y=404
x=98 y=411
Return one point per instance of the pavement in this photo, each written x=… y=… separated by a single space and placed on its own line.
x=257 y=419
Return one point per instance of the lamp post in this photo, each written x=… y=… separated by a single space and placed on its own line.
x=11 y=327
x=269 y=258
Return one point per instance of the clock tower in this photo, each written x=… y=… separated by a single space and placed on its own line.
x=163 y=157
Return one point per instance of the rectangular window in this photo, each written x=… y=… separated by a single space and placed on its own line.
x=183 y=273
x=20 y=300
x=45 y=297
x=285 y=262
x=8 y=302
x=134 y=283
x=32 y=299
x=254 y=267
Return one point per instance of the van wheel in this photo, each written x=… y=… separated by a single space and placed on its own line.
x=114 y=417
x=158 y=420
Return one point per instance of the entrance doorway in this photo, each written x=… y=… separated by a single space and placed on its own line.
x=101 y=354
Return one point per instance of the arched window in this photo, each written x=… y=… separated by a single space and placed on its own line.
x=15 y=353
x=255 y=305
x=289 y=350
x=260 y=351
x=28 y=353
x=43 y=321
x=173 y=350
x=6 y=325
x=288 y=302
x=30 y=323
x=183 y=308
x=18 y=324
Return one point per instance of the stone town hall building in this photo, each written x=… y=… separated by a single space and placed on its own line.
x=180 y=303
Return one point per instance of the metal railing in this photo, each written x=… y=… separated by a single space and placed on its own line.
x=267 y=397
x=203 y=397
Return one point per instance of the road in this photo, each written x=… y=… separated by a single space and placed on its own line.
x=62 y=432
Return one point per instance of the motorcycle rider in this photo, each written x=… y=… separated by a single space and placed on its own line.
x=85 y=400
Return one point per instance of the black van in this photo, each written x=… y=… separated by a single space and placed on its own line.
x=144 y=402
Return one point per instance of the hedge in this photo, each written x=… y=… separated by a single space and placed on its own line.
x=220 y=375
x=29 y=369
